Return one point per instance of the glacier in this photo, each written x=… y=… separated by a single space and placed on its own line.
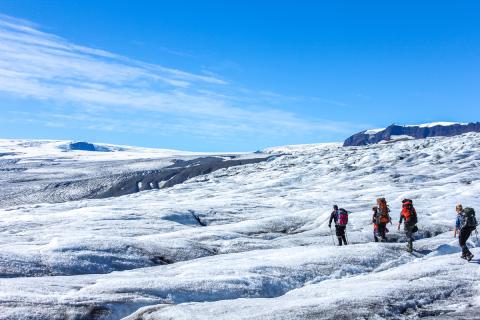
x=244 y=241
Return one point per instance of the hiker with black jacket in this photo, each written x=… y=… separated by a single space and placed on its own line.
x=408 y=214
x=466 y=223
x=340 y=218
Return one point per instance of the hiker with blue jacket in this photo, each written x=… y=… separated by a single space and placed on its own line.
x=465 y=224
x=340 y=218
x=458 y=220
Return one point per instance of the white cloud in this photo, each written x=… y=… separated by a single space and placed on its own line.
x=39 y=65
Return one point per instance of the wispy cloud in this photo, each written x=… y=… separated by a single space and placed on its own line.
x=42 y=66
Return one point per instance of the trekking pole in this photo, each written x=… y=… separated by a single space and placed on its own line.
x=333 y=240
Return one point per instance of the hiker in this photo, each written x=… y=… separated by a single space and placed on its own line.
x=466 y=223
x=458 y=221
x=340 y=217
x=409 y=214
x=380 y=219
x=375 y=224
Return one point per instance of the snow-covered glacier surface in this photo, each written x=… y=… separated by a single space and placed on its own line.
x=247 y=241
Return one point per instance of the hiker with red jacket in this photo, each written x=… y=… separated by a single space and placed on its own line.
x=409 y=215
x=340 y=217
x=380 y=219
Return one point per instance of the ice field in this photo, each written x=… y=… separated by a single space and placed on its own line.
x=244 y=237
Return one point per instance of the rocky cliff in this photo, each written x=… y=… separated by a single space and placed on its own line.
x=397 y=132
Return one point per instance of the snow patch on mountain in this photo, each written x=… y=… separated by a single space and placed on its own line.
x=435 y=124
x=396 y=138
x=425 y=125
x=374 y=131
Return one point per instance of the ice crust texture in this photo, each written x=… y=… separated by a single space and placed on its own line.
x=244 y=242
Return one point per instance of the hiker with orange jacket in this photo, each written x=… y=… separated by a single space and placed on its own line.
x=380 y=219
x=409 y=215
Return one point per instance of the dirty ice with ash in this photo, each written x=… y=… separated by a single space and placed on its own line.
x=132 y=233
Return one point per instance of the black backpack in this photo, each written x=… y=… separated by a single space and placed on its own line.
x=469 y=219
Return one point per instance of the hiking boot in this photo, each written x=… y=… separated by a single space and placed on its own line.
x=469 y=257
x=464 y=256
x=410 y=247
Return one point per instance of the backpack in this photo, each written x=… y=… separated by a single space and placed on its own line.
x=342 y=218
x=469 y=220
x=382 y=205
x=409 y=212
x=384 y=219
x=381 y=218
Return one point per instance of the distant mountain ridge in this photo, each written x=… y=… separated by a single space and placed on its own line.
x=397 y=132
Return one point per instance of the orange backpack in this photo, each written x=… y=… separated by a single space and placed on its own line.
x=408 y=212
x=384 y=218
x=383 y=210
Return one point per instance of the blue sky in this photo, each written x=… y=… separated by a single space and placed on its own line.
x=225 y=76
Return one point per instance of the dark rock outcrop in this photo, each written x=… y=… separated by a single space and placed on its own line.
x=416 y=132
